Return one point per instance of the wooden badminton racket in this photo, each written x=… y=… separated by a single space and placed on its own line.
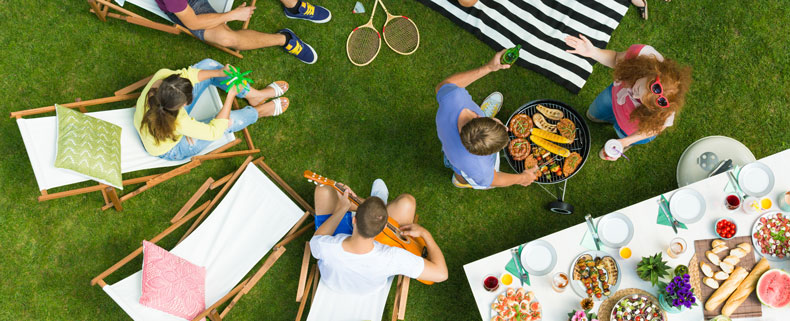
x=400 y=33
x=364 y=42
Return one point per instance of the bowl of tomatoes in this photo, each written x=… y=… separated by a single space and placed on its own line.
x=725 y=228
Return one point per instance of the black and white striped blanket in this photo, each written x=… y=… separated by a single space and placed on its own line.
x=540 y=26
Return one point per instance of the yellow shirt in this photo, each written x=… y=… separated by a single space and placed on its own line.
x=185 y=125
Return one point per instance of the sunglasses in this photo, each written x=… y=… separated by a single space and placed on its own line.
x=658 y=89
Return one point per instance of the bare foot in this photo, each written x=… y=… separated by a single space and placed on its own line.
x=258 y=96
x=267 y=109
x=467 y=3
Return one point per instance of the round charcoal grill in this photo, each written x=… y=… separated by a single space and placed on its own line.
x=581 y=145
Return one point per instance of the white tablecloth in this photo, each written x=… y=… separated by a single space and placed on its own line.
x=649 y=238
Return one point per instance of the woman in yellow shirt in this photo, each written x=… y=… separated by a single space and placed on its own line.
x=162 y=115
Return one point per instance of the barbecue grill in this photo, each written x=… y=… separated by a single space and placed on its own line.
x=581 y=145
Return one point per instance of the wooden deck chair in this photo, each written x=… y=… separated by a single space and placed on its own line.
x=253 y=219
x=328 y=304
x=102 y=9
x=40 y=139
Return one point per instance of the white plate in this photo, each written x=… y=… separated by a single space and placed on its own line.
x=538 y=257
x=615 y=230
x=757 y=248
x=756 y=179
x=687 y=206
x=578 y=286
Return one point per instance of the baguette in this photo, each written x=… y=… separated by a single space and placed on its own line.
x=725 y=289
x=746 y=288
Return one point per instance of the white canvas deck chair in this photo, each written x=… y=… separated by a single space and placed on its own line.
x=102 y=10
x=328 y=304
x=245 y=225
x=40 y=139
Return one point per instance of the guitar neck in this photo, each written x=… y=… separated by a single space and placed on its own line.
x=342 y=189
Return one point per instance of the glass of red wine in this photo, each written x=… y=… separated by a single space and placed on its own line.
x=732 y=202
x=491 y=283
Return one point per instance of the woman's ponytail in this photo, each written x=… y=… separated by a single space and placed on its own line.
x=163 y=105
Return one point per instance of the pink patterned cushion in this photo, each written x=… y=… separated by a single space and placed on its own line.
x=172 y=284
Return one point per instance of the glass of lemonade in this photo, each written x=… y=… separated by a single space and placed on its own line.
x=677 y=246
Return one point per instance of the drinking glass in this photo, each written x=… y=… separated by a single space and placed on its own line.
x=559 y=281
x=676 y=247
x=491 y=283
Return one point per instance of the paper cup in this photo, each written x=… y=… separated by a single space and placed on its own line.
x=613 y=148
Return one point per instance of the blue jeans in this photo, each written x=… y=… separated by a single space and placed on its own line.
x=602 y=109
x=199 y=7
x=239 y=119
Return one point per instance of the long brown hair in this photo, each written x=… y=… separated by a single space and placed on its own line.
x=674 y=78
x=163 y=106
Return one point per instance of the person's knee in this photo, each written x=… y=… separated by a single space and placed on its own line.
x=208 y=63
x=324 y=192
x=222 y=37
x=407 y=201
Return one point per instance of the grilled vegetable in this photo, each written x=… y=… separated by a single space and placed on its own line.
x=541 y=122
x=550 y=136
x=549 y=146
x=550 y=113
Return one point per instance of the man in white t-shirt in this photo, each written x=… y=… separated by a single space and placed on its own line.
x=356 y=263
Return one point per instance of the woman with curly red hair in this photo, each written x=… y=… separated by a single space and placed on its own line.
x=647 y=92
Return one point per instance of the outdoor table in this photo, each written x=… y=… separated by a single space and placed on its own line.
x=724 y=147
x=649 y=238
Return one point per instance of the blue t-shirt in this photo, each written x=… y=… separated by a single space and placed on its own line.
x=477 y=170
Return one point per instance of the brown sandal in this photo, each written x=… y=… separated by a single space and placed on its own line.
x=642 y=10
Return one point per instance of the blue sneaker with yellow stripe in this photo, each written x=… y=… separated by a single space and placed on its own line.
x=298 y=48
x=309 y=12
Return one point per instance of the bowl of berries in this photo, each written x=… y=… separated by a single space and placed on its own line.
x=726 y=228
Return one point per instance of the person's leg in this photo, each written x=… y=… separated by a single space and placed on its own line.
x=601 y=111
x=243 y=39
x=402 y=209
x=186 y=148
x=325 y=198
x=301 y=9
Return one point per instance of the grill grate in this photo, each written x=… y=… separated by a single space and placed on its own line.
x=580 y=145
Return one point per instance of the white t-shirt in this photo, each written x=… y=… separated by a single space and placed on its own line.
x=361 y=273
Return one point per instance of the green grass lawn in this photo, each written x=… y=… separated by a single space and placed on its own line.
x=356 y=124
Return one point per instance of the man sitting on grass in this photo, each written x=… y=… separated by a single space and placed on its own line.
x=206 y=24
x=471 y=137
x=349 y=260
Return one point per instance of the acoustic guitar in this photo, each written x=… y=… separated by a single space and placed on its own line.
x=391 y=235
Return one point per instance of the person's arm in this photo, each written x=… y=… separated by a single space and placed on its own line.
x=211 y=20
x=342 y=206
x=435 y=268
x=466 y=78
x=224 y=113
x=633 y=138
x=204 y=74
x=583 y=47
x=505 y=179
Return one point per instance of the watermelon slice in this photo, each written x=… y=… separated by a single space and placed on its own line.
x=773 y=288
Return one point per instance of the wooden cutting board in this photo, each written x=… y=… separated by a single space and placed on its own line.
x=749 y=308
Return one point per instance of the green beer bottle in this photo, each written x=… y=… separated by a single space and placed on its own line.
x=511 y=55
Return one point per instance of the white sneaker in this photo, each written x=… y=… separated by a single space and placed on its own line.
x=492 y=104
x=379 y=189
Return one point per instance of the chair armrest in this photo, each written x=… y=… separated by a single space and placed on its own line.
x=303 y=274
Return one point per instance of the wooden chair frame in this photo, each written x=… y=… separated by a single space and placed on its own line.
x=102 y=10
x=188 y=211
x=111 y=197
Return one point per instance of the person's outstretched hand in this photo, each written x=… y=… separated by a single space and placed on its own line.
x=496 y=62
x=529 y=175
x=242 y=12
x=581 y=46
x=414 y=230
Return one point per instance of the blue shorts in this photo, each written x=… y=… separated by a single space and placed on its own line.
x=200 y=7
x=344 y=227
x=602 y=109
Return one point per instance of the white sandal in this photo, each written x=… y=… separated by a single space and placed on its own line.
x=278 y=107
x=277 y=90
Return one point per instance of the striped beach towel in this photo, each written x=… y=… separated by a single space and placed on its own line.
x=540 y=27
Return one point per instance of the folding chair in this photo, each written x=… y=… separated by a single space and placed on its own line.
x=328 y=304
x=245 y=225
x=102 y=10
x=40 y=139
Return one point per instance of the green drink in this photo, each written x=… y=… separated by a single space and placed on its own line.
x=510 y=56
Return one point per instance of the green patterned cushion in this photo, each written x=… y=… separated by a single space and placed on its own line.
x=89 y=146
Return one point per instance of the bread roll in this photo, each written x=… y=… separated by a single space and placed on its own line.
x=745 y=288
x=739 y=252
x=711 y=283
x=712 y=257
x=721 y=275
x=746 y=247
x=721 y=294
x=726 y=267
x=719 y=249
x=717 y=243
x=706 y=269
x=733 y=260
